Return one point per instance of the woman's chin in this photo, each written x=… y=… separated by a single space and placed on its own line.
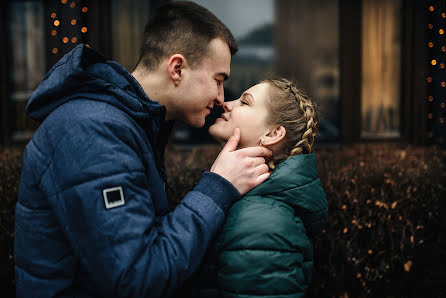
x=214 y=134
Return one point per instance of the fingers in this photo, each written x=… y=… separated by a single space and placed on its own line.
x=256 y=151
x=257 y=161
x=262 y=178
x=232 y=143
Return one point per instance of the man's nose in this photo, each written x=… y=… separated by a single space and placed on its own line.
x=220 y=99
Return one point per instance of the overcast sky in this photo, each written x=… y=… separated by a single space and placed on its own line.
x=241 y=16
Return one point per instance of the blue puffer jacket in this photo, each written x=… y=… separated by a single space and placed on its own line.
x=92 y=215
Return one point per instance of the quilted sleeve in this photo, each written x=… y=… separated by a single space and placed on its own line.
x=263 y=251
x=128 y=250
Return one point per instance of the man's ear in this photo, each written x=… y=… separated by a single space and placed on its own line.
x=273 y=136
x=175 y=65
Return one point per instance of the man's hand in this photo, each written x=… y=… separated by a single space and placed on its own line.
x=244 y=168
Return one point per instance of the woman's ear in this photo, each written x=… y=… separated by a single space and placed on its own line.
x=175 y=65
x=274 y=136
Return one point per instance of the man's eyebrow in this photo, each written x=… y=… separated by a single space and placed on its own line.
x=223 y=74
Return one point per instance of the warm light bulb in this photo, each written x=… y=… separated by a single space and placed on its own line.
x=441 y=65
x=430 y=44
x=65 y=40
x=430 y=98
x=429 y=115
x=430 y=26
x=443 y=84
x=441 y=31
x=55 y=50
x=443 y=49
x=443 y=105
x=84 y=29
x=429 y=79
x=56 y=23
x=84 y=9
x=73 y=22
x=64 y=1
x=434 y=62
x=53 y=33
x=53 y=15
x=74 y=40
x=431 y=8
x=72 y=4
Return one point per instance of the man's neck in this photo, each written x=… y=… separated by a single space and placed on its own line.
x=155 y=87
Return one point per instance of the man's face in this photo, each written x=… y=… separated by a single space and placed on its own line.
x=203 y=86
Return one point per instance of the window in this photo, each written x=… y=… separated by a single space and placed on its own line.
x=27 y=61
x=381 y=56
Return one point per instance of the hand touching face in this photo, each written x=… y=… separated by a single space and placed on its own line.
x=249 y=113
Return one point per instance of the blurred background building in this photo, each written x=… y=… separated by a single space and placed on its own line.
x=376 y=68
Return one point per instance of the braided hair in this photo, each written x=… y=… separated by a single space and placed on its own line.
x=291 y=108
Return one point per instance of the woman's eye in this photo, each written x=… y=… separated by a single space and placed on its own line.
x=243 y=102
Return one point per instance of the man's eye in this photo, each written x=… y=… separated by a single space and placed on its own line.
x=218 y=82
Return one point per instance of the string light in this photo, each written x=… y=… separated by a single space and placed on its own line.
x=442 y=105
x=431 y=8
x=429 y=80
x=441 y=65
x=67 y=35
x=434 y=62
x=430 y=26
x=430 y=98
x=443 y=49
x=431 y=44
x=429 y=116
x=443 y=84
x=441 y=31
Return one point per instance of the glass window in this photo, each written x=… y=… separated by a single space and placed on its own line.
x=381 y=55
x=307 y=35
x=27 y=61
x=128 y=19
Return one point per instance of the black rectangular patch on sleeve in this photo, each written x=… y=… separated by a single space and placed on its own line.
x=113 y=197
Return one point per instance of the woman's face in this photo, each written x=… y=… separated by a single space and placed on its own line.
x=249 y=113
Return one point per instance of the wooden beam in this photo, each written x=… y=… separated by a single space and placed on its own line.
x=350 y=68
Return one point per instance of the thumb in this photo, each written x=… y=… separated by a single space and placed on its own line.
x=232 y=143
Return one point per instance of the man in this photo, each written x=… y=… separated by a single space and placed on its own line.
x=92 y=215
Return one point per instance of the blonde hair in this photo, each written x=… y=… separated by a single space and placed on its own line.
x=291 y=108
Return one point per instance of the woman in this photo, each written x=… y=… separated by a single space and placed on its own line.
x=264 y=247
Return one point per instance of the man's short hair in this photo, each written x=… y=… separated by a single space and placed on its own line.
x=182 y=28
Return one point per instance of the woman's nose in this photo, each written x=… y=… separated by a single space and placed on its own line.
x=227 y=106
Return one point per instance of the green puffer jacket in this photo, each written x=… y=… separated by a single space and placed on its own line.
x=263 y=249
